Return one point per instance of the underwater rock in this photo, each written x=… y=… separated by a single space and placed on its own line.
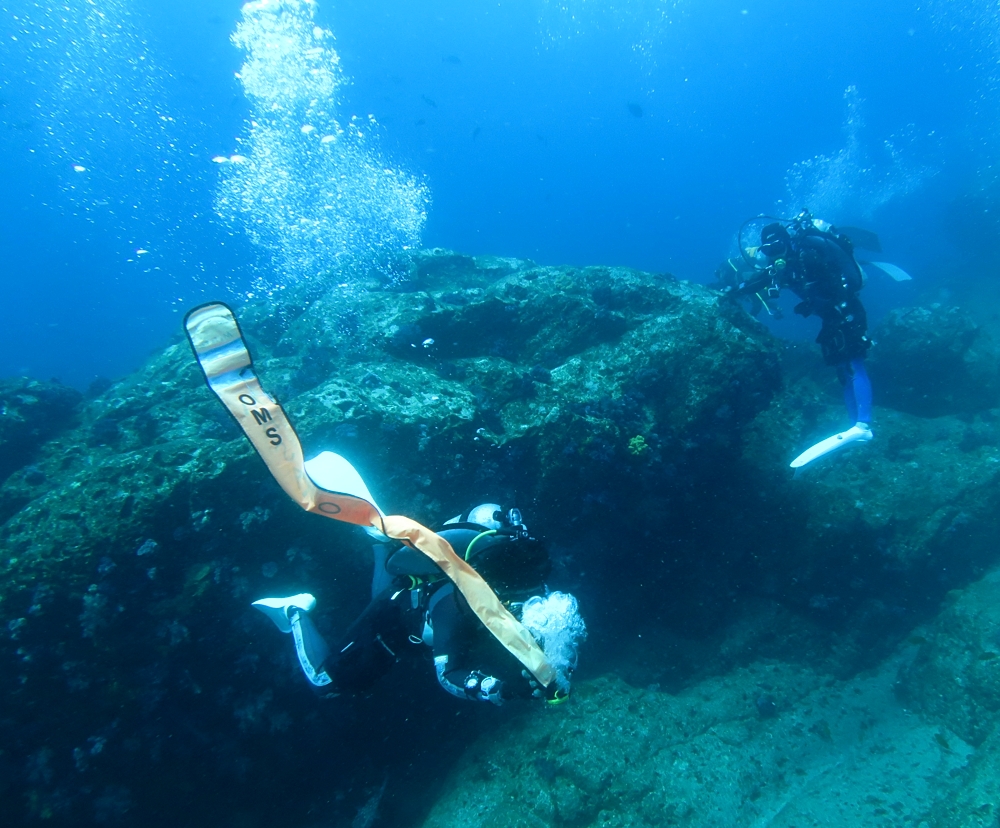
x=953 y=679
x=931 y=361
x=516 y=381
x=955 y=676
x=975 y=803
x=641 y=427
x=624 y=756
x=518 y=365
x=871 y=538
x=32 y=412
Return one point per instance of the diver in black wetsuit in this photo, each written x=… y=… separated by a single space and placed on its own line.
x=413 y=603
x=543 y=640
x=810 y=258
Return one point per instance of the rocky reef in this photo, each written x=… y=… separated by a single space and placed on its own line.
x=934 y=361
x=32 y=412
x=761 y=645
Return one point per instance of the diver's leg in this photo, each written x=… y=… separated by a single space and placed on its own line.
x=845 y=375
x=844 y=344
x=311 y=648
x=858 y=397
x=381 y=579
x=292 y=615
x=372 y=644
x=861 y=388
x=366 y=652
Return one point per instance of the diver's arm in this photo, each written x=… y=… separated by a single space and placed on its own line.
x=746 y=279
x=734 y=276
x=453 y=676
x=738 y=280
x=761 y=281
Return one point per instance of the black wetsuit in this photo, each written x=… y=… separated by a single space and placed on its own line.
x=821 y=270
x=413 y=601
x=825 y=276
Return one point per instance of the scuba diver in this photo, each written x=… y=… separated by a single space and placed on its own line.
x=414 y=603
x=415 y=567
x=816 y=262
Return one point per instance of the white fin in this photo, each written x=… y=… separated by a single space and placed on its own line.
x=332 y=472
x=892 y=270
x=856 y=433
x=277 y=608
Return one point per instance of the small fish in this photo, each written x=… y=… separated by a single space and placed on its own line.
x=79 y=168
x=141 y=251
x=427 y=342
x=475 y=133
x=326 y=139
x=220 y=159
x=635 y=110
x=237 y=159
x=428 y=101
x=420 y=122
x=307 y=128
x=452 y=59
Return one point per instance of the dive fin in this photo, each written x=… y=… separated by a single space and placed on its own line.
x=311 y=649
x=859 y=432
x=332 y=472
x=865 y=239
x=290 y=615
x=279 y=610
x=892 y=270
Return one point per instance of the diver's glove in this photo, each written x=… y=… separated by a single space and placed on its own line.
x=730 y=287
x=484 y=688
x=550 y=695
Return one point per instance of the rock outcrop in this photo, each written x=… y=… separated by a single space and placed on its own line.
x=641 y=425
x=31 y=412
x=131 y=555
x=935 y=361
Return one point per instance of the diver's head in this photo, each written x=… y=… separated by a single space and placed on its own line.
x=497 y=544
x=487 y=515
x=775 y=243
x=493 y=516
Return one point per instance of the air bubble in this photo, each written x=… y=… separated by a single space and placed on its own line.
x=280 y=192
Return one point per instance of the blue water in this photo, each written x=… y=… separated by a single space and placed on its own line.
x=638 y=133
